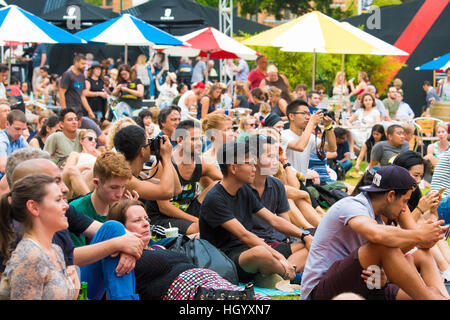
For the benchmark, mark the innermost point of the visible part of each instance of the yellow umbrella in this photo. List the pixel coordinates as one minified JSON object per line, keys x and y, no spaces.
{"x":314,"y":32}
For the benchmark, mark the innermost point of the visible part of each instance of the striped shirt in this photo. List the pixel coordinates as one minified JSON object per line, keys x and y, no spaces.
{"x":441,"y":176}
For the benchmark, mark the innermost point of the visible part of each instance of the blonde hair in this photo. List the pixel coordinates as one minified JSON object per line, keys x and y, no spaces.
{"x":338,"y":81}
{"x":243,"y":121}
{"x":116,"y":127}
{"x":155,"y":113}
{"x":264,"y":108}
{"x":141,"y":59}
{"x":214,"y":121}
{"x":274,"y":91}
{"x":272,"y":68}
{"x":240,"y":88}
{"x":442,"y":125}
{"x":84,"y":132}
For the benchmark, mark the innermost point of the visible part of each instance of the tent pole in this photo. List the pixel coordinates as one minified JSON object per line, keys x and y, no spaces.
{"x":207,"y":71}
{"x":9,"y":63}
{"x":314,"y":70}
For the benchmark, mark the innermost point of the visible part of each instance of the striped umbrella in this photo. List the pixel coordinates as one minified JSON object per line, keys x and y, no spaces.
{"x":441,"y":63}
{"x":127,"y":30}
{"x":17,"y":24}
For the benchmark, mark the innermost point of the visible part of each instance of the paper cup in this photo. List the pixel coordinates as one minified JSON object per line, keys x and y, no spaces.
{"x":171,"y":232}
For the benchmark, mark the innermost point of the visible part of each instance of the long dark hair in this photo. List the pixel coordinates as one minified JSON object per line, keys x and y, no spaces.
{"x":125,"y":67}
{"x":380,"y":129}
{"x":50,"y":122}
{"x":13,"y":206}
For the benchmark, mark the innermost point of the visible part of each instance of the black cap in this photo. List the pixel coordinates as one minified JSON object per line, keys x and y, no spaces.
{"x":271,"y":120}
{"x":390,"y":177}
{"x":95,"y":64}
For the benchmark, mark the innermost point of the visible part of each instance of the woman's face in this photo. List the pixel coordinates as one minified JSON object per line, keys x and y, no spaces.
{"x":216,"y":93}
{"x":24,"y":87}
{"x":250,"y":125}
{"x":279,"y":126}
{"x":377,"y":136}
{"x":52,"y":209}
{"x":417,"y":172}
{"x":273,"y":98}
{"x":442,"y":134}
{"x":368,"y":102}
{"x":97,"y":71}
{"x":89,"y":141}
{"x":138,"y":221}
{"x":228,"y":134}
{"x":125,"y":75}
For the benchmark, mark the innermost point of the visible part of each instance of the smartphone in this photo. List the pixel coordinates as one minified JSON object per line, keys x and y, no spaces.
{"x":447,"y":234}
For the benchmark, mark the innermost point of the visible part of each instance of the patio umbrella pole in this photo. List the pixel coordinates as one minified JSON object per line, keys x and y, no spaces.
{"x":207,"y":72}
{"x":314,"y":70}
{"x":126,"y":54}
{"x":9,"y":63}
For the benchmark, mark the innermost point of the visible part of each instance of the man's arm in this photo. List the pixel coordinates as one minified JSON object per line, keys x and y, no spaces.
{"x":43,"y":59}
{"x":302,"y":142}
{"x":86,"y":105}
{"x":394,"y":237}
{"x":62,"y":97}
{"x":210,"y":170}
{"x":278,"y":223}
{"x":166,"y":207}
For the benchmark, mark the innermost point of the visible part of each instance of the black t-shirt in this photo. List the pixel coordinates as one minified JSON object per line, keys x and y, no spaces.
{"x":414,"y":199}
{"x":274,"y":199}
{"x":133,"y":101}
{"x":74,"y":84}
{"x":219,"y":207}
{"x":97,"y":104}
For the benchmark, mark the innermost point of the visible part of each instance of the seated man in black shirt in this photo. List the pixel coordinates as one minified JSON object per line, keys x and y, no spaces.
{"x":226,"y":218}
{"x":272,"y":194}
{"x":183,"y":210}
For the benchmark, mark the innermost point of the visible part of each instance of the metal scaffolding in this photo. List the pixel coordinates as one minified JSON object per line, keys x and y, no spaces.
{"x":226,"y":27}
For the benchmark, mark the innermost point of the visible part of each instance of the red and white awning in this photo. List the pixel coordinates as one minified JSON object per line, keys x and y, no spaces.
{"x":212,"y":42}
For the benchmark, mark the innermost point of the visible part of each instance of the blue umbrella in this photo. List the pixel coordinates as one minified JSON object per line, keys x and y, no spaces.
{"x":441,"y":63}
{"x":127,"y":30}
{"x":17,"y":24}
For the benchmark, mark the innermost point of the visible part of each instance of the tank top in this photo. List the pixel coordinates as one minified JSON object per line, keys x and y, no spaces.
{"x":280,"y":84}
{"x":142,"y":74}
{"x":211,"y":107}
{"x":189,"y":190}
{"x":276,"y":109}
{"x":96,"y":103}
{"x":86,"y":158}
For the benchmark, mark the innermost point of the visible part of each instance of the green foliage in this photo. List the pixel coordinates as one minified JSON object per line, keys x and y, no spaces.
{"x":95,"y":2}
{"x":382,"y":3}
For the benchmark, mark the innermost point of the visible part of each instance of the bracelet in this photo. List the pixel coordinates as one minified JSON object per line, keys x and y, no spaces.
{"x":420,"y":210}
{"x":287,"y":164}
{"x":328,"y":128}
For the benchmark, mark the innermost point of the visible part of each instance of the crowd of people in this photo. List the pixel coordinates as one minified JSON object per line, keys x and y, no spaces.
{"x":252,"y":167}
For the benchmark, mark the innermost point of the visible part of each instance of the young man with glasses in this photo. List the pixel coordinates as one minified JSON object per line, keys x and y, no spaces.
{"x":226,"y":217}
{"x":299,"y":141}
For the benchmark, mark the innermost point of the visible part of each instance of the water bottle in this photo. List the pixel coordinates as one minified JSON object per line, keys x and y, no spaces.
{"x":83,"y":292}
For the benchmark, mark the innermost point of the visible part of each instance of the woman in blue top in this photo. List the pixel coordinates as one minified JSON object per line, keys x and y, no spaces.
{"x":209,"y":103}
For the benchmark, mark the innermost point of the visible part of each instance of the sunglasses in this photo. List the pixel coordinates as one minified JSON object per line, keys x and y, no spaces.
{"x":91,"y":139}
{"x":251,"y":124}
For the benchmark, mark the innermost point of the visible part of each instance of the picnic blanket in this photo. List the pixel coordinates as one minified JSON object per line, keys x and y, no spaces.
{"x":272,"y":292}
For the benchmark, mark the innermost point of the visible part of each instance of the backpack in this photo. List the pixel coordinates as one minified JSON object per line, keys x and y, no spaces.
{"x":203,"y":254}
{"x":338,"y":168}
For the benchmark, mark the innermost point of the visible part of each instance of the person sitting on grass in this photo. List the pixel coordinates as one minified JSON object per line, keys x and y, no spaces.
{"x":352,"y":241}
{"x":385,"y":151}
{"x":226,"y":218}
{"x":164,"y":274}
{"x":378,"y":134}
{"x":183,"y":210}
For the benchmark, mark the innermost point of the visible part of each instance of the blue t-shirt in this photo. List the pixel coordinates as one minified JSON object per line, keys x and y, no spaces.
{"x":37,"y":55}
{"x":342,"y":149}
{"x":7,"y":147}
{"x":334,"y":239}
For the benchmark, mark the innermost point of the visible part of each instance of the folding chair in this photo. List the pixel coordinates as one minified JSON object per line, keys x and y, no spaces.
{"x":425,"y":128}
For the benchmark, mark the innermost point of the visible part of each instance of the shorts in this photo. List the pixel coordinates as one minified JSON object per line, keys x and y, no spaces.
{"x":236,"y":252}
{"x":182,"y":225}
{"x":345,"y":276}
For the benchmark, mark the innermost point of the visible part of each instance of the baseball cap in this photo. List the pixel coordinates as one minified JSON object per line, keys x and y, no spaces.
{"x":199,"y":84}
{"x":271,"y":120}
{"x":95,"y":64}
{"x":390,"y":177}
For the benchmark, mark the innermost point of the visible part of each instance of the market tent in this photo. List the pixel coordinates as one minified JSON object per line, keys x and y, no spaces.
{"x":441,"y":63}
{"x":188,"y":16}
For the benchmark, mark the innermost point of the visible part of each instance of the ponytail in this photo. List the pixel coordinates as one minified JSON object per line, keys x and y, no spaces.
{"x":6,"y":230}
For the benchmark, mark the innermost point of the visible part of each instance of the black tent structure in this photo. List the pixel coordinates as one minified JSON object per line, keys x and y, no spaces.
{"x":419,"y":27}
{"x":180,"y":17}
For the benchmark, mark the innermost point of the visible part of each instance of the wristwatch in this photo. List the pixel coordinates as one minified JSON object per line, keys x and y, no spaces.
{"x":304,"y":234}
{"x":287,"y":164}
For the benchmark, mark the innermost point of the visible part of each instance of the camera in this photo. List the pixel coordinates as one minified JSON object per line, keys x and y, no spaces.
{"x":155,"y":146}
{"x":327,"y":113}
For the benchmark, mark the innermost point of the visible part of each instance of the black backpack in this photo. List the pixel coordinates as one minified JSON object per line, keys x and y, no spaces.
{"x":203,"y":254}
{"x":338,"y":168}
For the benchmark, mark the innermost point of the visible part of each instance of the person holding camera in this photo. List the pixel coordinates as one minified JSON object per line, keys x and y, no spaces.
{"x":137,"y":149}
{"x":299,"y":141}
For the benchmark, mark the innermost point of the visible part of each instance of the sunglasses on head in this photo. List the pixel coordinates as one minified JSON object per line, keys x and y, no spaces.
{"x":91,"y":139}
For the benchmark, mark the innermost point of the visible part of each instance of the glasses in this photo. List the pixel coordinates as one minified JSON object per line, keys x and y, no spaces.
{"x":251,"y":124}
{"x":302,"y":112}
{"x":321,"y":92}
{"x":91,"y":139}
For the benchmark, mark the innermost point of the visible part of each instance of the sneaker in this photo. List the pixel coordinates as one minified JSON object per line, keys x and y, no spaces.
{"x":446,"y":275}
{"x":353,"y":155}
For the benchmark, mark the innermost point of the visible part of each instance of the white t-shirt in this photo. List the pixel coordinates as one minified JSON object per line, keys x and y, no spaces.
{"x":182,"y":105}
{"x":299,"y":160}
{"x":367,"y":119}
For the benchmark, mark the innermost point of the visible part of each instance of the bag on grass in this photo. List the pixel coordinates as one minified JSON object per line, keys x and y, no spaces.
{"x":203,"y":254}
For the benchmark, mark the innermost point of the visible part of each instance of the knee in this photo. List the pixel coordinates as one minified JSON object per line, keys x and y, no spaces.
{"x":71,"y":171}
{"x":260,"y":253}
{"x":111,"y":229}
